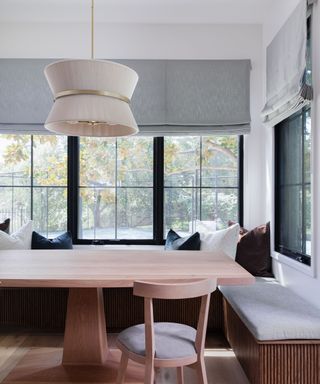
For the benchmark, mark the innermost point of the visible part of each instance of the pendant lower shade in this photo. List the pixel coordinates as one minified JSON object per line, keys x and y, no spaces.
{"x":91,"y":98}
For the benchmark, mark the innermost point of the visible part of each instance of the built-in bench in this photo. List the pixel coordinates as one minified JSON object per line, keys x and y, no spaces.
{"x":274,"y":333}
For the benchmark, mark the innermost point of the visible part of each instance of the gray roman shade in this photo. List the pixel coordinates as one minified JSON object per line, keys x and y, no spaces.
{"x":25,"y":97}
{"x":287,"y":87}
{"x":173,"y":97}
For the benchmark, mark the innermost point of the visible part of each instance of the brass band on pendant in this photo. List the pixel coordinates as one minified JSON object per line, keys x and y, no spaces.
{"x":71,"y":92}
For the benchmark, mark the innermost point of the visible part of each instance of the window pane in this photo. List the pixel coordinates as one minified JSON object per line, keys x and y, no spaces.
{"x":97,"y":213}
{"x":135,"y":213}
{"x":182,"y":161}
{"x":290,"y":155}
{"x":15,"y":204}
{"x":219,"y":161}
{"x":50,"y":211}
{"x":97,"y":162}
{"x":291,"y":230}
{"x":293,"y":195}
{"x":116,"y":212}
{"x":307,"y":219}
{"x":307,"y":148}
{"x":50,"y":160}
{"x":181,"y":209}
{"x":213,"y":196}
{"x":219,"y":206}
{"x":135,"y":162}
{"x":15,"y":160}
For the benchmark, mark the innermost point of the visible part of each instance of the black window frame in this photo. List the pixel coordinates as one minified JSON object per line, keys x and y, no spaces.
{"x":297,"y":256}
{"x":34,"y":186}
{"x":158,"y":194}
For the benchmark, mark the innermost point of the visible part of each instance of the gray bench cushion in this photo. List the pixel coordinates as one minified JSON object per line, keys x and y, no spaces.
{"x":273,"y":312}
{"x":172,"y":340}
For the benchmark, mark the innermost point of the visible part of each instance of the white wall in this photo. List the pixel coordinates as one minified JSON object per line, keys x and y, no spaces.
{"x":196,"y":41}
{"x":159,"y":41}
{"x":305,"y":281}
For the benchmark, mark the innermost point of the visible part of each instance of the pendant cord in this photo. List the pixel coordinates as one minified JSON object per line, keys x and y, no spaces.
{"x":92,"y":29}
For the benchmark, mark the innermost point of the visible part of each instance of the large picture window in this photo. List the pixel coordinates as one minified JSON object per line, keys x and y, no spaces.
{"x":293,"y":187}
{"x":129,"y":190}
{"x":33,"y":182}
{"x":116,"y":188}
{"x":201,"y":181}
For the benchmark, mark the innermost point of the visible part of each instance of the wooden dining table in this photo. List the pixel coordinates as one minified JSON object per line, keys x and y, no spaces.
{"x":85,"y":356}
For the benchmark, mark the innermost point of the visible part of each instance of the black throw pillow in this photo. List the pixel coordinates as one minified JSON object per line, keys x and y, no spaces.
{"x":5,"y":226}
{"x":63,"y":241}
{"x":175,"y":242}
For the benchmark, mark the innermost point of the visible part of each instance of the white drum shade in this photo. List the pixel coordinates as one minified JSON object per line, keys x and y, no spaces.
{"x":91,"y":98}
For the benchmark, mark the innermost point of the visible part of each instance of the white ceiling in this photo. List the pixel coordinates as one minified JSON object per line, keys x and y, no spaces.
{"x":136,"y":11}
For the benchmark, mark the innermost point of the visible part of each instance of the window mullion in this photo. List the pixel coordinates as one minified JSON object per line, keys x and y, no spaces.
{"x":240,"y":178}
{"x":31,"y":178}
{"x":116,"y":194}
{"x":158,"y":189}
{"x":73,"y":185}
{"x":303,"y":184}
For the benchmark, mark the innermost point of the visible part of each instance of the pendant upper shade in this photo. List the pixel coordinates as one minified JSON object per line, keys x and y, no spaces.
{"x":91,"y":98}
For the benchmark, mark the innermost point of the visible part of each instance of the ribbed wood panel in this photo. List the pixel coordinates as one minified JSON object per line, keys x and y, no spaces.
{"x":290,"y":363}
{"x":242,"y":342}
{"x":39,"y":308}
{"x":45,"y":309}
{"x":274,"y":362}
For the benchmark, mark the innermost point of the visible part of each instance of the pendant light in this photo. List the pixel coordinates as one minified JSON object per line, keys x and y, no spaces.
{"x":91,"y":97}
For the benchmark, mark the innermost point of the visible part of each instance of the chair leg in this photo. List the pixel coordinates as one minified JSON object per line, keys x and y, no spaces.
{"x":201,"y":371}
{"x":180,"y":378}
{"x":122,"y":368}
{"x":149,"y":373}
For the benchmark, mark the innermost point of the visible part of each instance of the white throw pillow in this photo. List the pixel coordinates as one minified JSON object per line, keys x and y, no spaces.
{"x":18,"y":240}
{"x":225,"y":240}
{"x":206,"y":226}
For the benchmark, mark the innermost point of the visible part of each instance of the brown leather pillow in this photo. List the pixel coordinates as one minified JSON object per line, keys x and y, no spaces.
{"x":242,"y":230}
{"x":253,"y":251}
{"x":5,"y":226}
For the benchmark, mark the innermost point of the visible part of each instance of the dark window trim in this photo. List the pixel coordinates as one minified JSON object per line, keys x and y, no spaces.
{"x":73,"y":182}
{"x":240,"y":180}
{"x":158,"y":194}
{"x":297,"y":256}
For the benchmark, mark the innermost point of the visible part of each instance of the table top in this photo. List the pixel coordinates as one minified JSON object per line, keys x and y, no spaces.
{"x":114,"y":268}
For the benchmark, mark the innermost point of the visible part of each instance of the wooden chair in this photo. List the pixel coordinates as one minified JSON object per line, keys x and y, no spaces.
{"x":167,"y":344}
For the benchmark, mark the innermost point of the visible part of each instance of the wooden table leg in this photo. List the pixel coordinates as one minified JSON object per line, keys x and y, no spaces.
{"x":85,"y":338}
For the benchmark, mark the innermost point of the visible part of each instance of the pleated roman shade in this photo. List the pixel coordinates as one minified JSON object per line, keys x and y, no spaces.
{"x":173,"y":97}
{"x":25,"y":97}
{"x":286,"y":84}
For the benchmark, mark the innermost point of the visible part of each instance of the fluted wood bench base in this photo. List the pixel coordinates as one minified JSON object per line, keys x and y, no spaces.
{"x":45,"y":309}
{"x":272,"y":362}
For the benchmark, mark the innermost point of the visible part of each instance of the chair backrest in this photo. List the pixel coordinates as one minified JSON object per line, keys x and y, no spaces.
{"x":179,"y":290}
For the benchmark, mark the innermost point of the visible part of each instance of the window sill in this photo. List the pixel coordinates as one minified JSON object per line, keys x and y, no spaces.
{"x":119,"y":247}
{"x":282,"y":259}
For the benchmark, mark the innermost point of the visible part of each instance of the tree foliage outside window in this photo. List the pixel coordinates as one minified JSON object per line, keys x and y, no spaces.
{"x":116,"y":188}
{"x":33,"y":182}
{"x":116,"y":184}
{"x":201,"y":181}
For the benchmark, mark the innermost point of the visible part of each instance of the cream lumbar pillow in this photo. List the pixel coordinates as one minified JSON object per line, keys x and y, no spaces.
{"x":225,"y":240}
{"x":20,"y":239}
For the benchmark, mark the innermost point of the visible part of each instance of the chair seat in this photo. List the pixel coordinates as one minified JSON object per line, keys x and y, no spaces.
{"x":172,"y":340}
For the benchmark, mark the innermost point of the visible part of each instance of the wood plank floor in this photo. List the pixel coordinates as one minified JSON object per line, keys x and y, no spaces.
{"x":222,"y":366}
